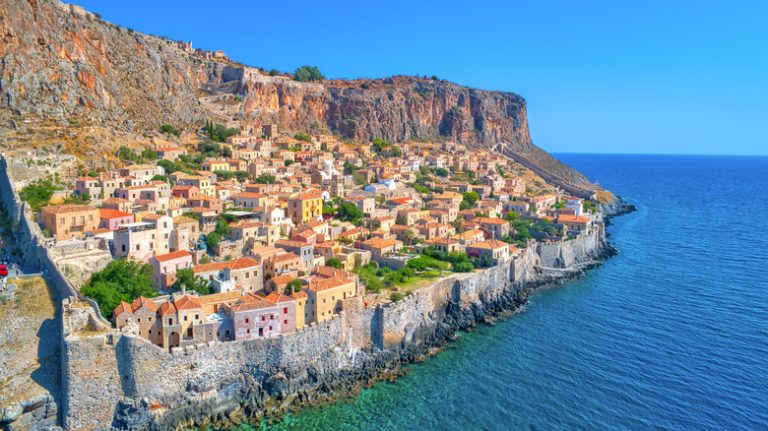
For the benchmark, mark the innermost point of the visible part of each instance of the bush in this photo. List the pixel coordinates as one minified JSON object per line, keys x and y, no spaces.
{"x":334,"y":263}
{"x":396,"y":296}
{"x":293,"y":286}
{"x":169,"y":130}
{"x":38,"y":193}
{"x":121,"y":280}
{"x":265,"y":179}
{"x":308,"y":73}
{"x":219,"y":132}
{"x":350,"y":212}
{"x":302,"y":137}
{"x":441,"y":172}
{"x":273,"y":72}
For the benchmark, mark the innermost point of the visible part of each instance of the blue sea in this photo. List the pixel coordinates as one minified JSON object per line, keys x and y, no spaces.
{"x":671,"y":334}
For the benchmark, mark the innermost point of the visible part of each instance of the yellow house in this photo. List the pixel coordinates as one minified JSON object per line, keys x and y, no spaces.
{"x":301,"y":301}
{"x":305,"y":207}
{"x":325,"y":292}
{"x":215,"y":165}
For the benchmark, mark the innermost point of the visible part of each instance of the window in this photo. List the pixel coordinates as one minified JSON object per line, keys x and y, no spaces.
{"x":248,"y":331}
{"x":285,"y":310}
{"x":189,"y":331}
{"x":138,"y":320}
{"x":197,"y":316}
{"x":185,"y":318}
{"x":271,"y":317}
{"x":170,"y":321}
{"x":270,"y":328}
{"x":247,"y":320}
{"x":149,"y":318}
{"x":123,"y":247}
{"x":263,"y":318}
{"x":285,"y":322}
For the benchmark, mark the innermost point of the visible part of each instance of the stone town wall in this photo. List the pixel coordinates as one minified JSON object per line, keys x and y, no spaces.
{"x":139,"y":385}
{"x":566,"y":254}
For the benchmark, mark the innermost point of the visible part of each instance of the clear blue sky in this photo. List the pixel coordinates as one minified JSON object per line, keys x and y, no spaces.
{"x":602,"y":76}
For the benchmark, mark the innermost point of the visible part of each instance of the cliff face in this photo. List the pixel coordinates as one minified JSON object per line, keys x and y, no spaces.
{"x":62,"y":63}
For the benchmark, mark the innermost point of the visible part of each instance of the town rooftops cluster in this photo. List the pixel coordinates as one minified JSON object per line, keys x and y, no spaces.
{"x":259,"y":223}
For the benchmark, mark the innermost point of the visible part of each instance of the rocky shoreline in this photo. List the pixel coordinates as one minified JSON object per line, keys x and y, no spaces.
{"x":253,"y":398}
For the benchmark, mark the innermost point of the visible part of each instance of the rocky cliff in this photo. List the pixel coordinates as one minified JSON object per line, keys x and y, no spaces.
{"x":63,"y":64}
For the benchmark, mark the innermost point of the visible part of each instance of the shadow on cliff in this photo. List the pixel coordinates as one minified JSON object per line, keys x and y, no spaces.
{"x":48,"y":372}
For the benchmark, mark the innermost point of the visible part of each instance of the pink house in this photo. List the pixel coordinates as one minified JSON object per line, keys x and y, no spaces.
{"x":112,"y":219}
{"x":166,"y":265}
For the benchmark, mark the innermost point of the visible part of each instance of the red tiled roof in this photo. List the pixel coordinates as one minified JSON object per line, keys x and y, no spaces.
{"x":171,"y":256}
{"x":105,"y":213}
{"x":143,"y":302}
{"x":188,"y":302}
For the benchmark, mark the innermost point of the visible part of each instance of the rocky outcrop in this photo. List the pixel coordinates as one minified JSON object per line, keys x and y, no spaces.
{"x":60,"y":62}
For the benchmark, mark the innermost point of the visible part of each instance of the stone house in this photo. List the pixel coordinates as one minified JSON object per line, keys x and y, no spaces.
{"x":164,"y":267}
{"x":70,"y":220}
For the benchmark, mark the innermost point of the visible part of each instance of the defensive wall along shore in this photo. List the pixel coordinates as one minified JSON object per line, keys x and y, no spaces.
{"x":122,"y":380}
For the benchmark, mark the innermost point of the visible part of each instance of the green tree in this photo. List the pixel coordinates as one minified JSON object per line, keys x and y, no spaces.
{"x":442,"y":172}
{"x":265,"y":179}
{"x":350,"y":212}
{"x":308,"y":73}
{"x":191,"y":282}
{"x":120,"y":280}
{"x":470,"y":198}
{"x":334,"y":263}
{"x":293,"y":286}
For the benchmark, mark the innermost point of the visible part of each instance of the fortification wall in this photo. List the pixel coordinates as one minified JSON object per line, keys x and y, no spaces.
{"x":566,"y":254}
{"x":142,"y":386}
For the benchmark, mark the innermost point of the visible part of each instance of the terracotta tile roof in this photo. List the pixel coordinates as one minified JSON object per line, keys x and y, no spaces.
{"x":143,"y":302}
{"x":285,"y":257}
{"x":171,"y":256}
{"x":573,"y":219}
{"x":67,"y":208}
{"x":188,"y":302}
{"x":299,"y":295}
{"x":167,"y":308}
{"x":490,"y":220}
{"x":242,"y":263}
{"x":442,"y":241}
{"x":253,"y":303}
{"x":105,"y":213}
{"x":491,"y":244}
{"x":230,"y":296}
{"x":277,"y":298}
{"x":122,"y":308}
{"x":318,"y":284}
{"x":249,"y":195}
{"x":281,"y":280}
{"x":377,"y":242}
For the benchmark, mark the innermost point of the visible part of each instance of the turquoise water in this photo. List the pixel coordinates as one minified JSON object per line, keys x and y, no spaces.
{"x":670,"y":334}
